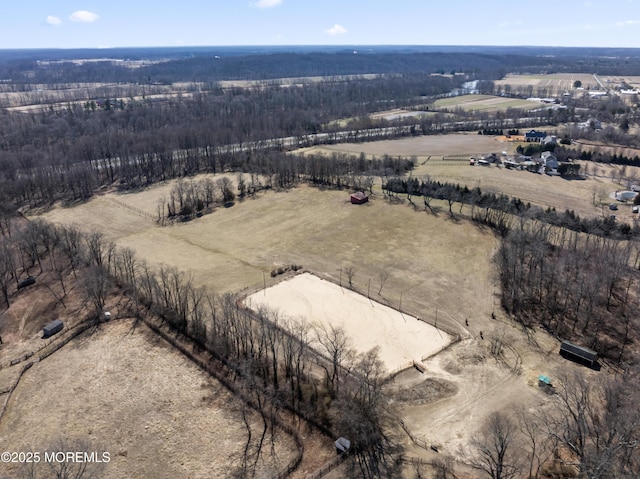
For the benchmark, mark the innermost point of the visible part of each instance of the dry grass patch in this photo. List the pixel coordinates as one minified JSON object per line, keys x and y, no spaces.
{"x":132,"y":395}
{"x":541,"y":190}
{"x":431,"y":261}
{"x":556,"y":84}
{"x":486,"y":103}
{"x":426,"y":147}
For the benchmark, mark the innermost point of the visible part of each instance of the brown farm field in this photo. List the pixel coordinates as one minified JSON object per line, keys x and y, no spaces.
{"x":542,"y":190}
{"x":439,"y":269}
{"x":137,"y":398}
{"x":555,"y":84}
{"x":486,"y":103}
{"x":236,"y":248}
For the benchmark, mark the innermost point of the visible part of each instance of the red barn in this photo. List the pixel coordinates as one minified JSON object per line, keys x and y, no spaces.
{"x":359,"y":198}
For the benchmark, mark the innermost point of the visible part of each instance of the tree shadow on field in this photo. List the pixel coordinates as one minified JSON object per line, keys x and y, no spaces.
{"x":433,"y":210}
{"x":453,"y":218}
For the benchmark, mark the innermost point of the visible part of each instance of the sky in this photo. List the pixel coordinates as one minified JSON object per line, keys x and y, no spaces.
{"x":144,"y":23}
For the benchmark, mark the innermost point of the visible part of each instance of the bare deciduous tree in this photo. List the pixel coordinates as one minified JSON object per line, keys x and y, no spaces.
{"x":337,"y":346}
{"x":364,"y":416}
{"x":495,"y":448}
{"x":96,"y":284}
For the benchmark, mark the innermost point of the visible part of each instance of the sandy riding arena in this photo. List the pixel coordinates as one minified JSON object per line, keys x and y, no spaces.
{"x":402,"y":338}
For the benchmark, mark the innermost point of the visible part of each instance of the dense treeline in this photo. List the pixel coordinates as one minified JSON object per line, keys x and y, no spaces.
{"x":578,"y":285}
{"x":500,"y":211}
{"x":214,"y":64}
{"x":597,"y":156}
{"x":68,"y":154}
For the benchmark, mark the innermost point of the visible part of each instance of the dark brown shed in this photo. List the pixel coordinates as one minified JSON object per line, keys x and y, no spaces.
{"x":359,"y":197}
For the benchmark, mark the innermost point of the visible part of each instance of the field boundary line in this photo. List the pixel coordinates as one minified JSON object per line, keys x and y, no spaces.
{"x":329,"y":466}
{"x":12,"y":388}
{"x":219,"y":374}
{"x":134,"y":209}
{"x":456,"y":336}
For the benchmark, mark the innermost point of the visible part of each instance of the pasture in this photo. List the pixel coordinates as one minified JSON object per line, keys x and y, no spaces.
{"x":428,"y":259}
{"x":484,"y":103}
{"x":439,"y":269}
{"x":553,"y":84}
{"x":127,"y":392}
{"x":402,"y":338}
{"x":542,"y":190}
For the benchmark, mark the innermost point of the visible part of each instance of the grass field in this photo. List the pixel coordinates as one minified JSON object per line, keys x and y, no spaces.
{"x":137,"y":398}
{"x":437,"y":266}
{"x":542,"y":190}
{"x":439,"y":269}
{"x":428,"y":259}
{"x":555,"y":84}
{"x":486,"y":103}
{"x":402,"y":338}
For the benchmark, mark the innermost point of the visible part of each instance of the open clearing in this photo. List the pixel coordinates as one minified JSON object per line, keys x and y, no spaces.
{"x":487,"y":103}
{"x":402,"y":338}
{"x":430,"y":260}
{"x":541,"y":190}
{"x":136,"y":397}
{"x":614,"y":81}
{"x":426,"y":146}
{"x":437,"y":266}
{"x":555,"y":84}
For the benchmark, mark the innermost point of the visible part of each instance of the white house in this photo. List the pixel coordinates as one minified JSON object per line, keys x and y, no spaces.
{"x":549,"y":161}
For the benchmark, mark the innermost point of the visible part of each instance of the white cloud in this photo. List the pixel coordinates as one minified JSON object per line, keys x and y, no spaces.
{"x":337,"y":29}
{"x":51,"y":20}
{"x":267,"y":3}
{"x":627,"y":23}
{"x":83,"y":16}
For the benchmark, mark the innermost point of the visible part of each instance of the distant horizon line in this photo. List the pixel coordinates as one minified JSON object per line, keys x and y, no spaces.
{"x":331,"y":46}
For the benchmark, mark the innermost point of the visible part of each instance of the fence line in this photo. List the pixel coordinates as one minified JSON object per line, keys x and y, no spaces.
{"x":418,"y":442}
{"x":326,"y":468}
{"x":14,"y":386}
{"x":135,"y":209}
{"x":220,"y":371}
{"x":256,"y":287}
{"x":56,"y":338}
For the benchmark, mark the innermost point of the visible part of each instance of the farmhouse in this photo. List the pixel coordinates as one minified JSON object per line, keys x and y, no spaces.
{"x":52,"y":328}
{"x":359,"y":198}
{"x":592,"y":123}
{"x":578,"y":353}
{"x":533,"y":135}
{"x":549,"y":161}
